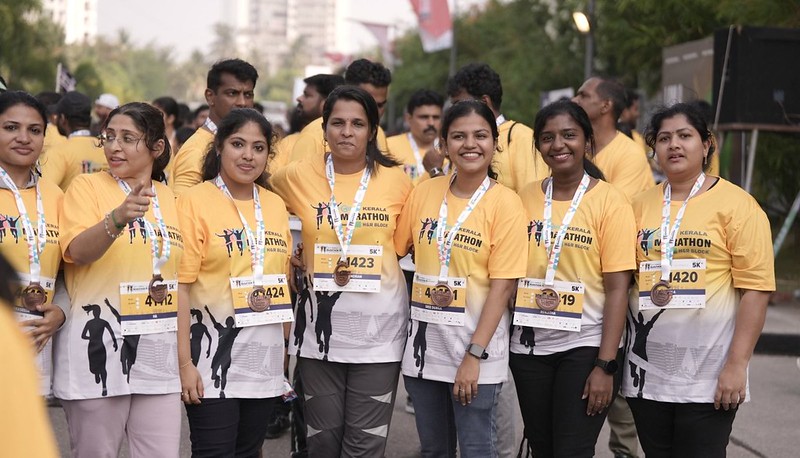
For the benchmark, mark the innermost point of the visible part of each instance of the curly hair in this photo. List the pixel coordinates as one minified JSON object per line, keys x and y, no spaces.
{"x":363,"y":71}
{"x":477,"y":79}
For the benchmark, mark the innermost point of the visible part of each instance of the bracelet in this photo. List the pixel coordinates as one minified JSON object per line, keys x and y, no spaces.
{"x":114,"y":220}
{"x":185,"y":364}
{"x":108,"y":230}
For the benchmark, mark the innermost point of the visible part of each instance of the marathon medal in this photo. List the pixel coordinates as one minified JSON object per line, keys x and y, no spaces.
{"x":442,"y":294}
{"x":547,"y":300}
{"x":157,"y":289}
{"x":33,"y":296}
{"x":341,"y":275}
{"x":661,"y":293}
{"x":258,"y":300}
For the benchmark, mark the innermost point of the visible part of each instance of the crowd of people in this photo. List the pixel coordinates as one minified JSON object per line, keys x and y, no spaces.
{"x":580,"y":269}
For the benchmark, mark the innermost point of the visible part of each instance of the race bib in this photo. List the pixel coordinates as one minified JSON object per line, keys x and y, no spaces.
{"x":363,"y":264}
{"x":141,"y":314}
{"x":558,"y":307}
{"x":280,"y":302}
{"x":687,"y":284}
{"x":423,"y":307}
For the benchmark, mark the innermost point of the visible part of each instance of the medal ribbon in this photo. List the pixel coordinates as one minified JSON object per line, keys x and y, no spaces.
{"x":554,"y":254}
{"x":36,"y":241}
{"x":257,"y":241}
{"x":668,"y":235}
{"x":160,"y":253}
{"x":417,"y":156}
{"x":345,"y":233}
{"x":445,"y":245}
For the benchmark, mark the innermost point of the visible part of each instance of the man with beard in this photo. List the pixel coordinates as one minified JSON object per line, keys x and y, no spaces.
{"x":309,"y":108}
{"x":424,"y":118}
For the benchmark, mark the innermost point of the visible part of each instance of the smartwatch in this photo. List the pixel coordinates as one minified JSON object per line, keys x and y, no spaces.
{"x":477,"y":351}
{"x":610,"y":367}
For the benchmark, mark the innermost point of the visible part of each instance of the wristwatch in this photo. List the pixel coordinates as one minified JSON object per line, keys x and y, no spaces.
{"x":435,"y":172}
{"x":477,"y":351}
{"x":610,"y":367}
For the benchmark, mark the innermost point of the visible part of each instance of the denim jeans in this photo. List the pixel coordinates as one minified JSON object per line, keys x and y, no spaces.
{"x":441,"y":419}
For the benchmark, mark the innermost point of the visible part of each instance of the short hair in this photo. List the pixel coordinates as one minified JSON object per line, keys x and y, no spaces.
{"x":423,"y":97}
{"x":578,"y":114}
{"x":229,"y":125}
{"x":631,"y":96}
{"x":76,"y":108}
{"x":477,"y":79}
{"x":50,"y":100}
{"x":324,"y":83}
{"x":693,"y":116}
{"x":198,"y":110}
{"x":169,"y":106}
{"x":465,"y":108}
{"x":13,"y":98}
{"x":611,"y":89}
{"x":362,"y":97}
{"x":363,"y":71}
{"x":240,"y":70}
{"x":149,"y":120}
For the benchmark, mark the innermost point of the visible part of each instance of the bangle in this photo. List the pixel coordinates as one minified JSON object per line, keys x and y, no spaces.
{"x":114,"y":220}
{"x":185,"y":364}
{"x":108,"y":230}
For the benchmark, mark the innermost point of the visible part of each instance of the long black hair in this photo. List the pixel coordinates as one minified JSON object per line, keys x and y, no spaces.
{"x":362,"y":97}
{"x":574,"y":111}
{"x":8,"y":281}
{"x":465,"y":108}
{"x":149,"y":120}
{"x":695,"y":119}
{"x":229,"y":125}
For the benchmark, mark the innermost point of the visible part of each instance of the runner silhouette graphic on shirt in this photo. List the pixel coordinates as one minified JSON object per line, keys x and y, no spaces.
{"x":127,"y":356}
{"x":644,"y":240}
{"x":221,"y":361}
{"x":96,"y":349}
{"x":425,"y":223}
{"x":527,"y":338}
{"x":237,"y":233}
{"x":7,"y":222}
{"x":420,"y":346}
{"x":135,"y":225}
{"x":303,"y":298}
{"x":432,"y":229}
{"x":323,"y":329}
{"x":640,"y":348}
{"x":228,"y":237}
{"x":322,"y":212}
{"x":196,"y":333}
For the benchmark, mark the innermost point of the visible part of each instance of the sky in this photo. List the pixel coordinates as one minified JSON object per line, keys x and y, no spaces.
{"x":185,"y":25}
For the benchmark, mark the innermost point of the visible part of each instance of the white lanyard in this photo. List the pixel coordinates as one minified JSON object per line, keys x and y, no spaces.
{"x":445,"y":245}
{"x":417,"y":155}
{"x":257,"y":241}
{"x":160,"y":254}
{"x":345,"y":234}
{"x":554,"y":254}
{"x":36,"y":240}
{"x":668,"y":236}
{"x":500,"y":119}
{"x":210,"y":125}
{"x":80,"y":133}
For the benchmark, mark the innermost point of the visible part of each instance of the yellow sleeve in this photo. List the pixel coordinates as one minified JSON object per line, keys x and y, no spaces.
{"x":54,"y":167}
{"x":405,"y":222}
{"x":617,"y":234}
{"x":283,"y":151}
{"x":750,"y":244}
{"x":281,"y":186}
{"x":187,"y":171}
{"x":24,"y":425}
{"x":193,"y":238}
{"x":308,"y":145}
{"x":80,"y":212}
{"x":382,"y":143}
{"x":509,"y":240}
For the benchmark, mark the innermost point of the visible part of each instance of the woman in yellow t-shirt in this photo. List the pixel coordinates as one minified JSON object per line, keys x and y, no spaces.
{"x":352,"y":307}
{"x":233,"y":286}
{"x":30,"y":209}
{"x":116,"y":357}
{"x":706,"y":271}
{"x":467,"y":232}
{"x":570,"y":310}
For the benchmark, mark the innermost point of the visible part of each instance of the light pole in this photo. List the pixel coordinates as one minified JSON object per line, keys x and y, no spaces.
{"x":584,"y":24}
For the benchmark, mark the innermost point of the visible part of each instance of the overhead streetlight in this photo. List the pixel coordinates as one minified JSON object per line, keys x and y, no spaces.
{"x":581,"y":22}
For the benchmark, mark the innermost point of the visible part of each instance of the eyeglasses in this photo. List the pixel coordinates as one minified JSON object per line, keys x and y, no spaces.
{"x":124,"y":140}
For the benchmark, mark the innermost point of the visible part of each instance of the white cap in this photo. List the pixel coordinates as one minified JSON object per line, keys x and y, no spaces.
{"x":107,"y":100}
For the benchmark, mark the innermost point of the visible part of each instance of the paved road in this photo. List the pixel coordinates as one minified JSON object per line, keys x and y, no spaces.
{"x":766,"y":427}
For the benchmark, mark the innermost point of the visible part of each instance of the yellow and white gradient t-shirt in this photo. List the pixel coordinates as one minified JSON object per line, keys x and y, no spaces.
{"x":15,"y":249}
{"x":77,"y":155}
{"x":215,"y":250}
{"x":488,"y":246}
{"x":600,"y":239}
{"x":676,"y":355}
{"x":348,"y":327}
{"x":85,"y":357}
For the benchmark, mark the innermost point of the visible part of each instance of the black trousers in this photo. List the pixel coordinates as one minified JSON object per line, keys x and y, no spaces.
{"x":549,"y":389}
{"x":669,"y":429}
{"x":228,"y":427}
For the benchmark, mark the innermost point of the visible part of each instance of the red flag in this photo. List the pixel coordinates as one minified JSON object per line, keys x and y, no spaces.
{"x":435,"y":24}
